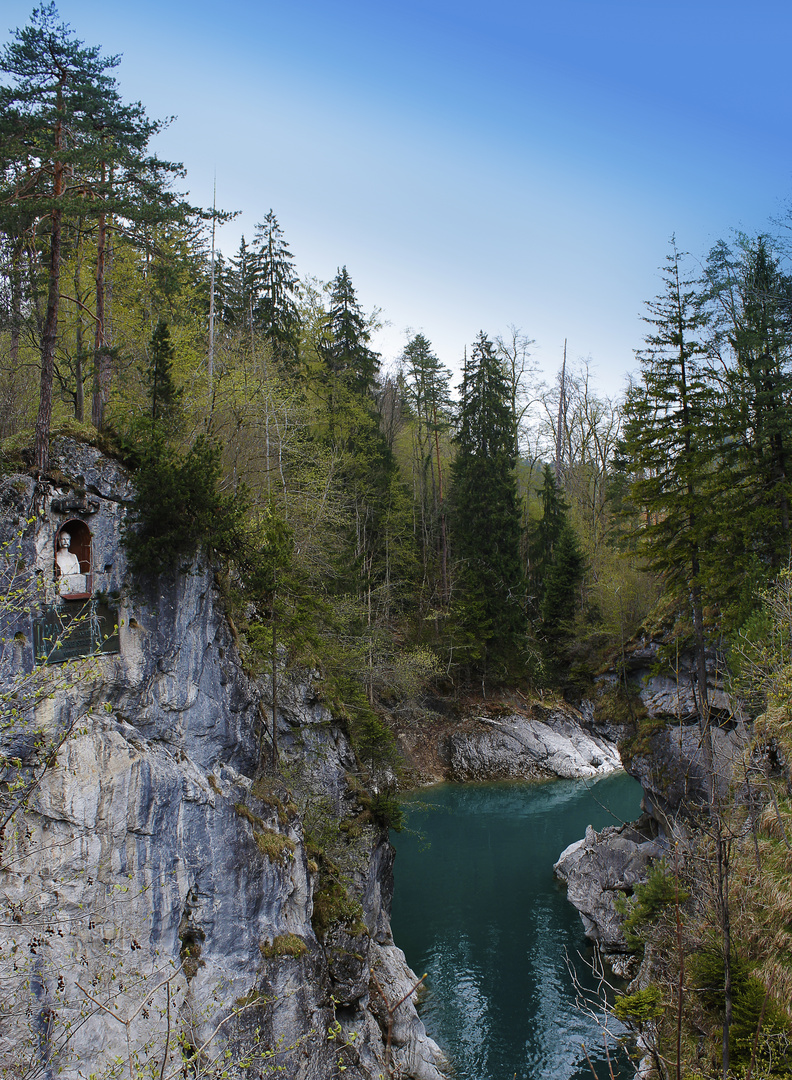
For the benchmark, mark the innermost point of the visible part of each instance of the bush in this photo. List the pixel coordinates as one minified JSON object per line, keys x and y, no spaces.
{"x":751,"y":1003}
{"x":647,"y":904}
{"x":640,"y":1007}
{"x":178,"y":506}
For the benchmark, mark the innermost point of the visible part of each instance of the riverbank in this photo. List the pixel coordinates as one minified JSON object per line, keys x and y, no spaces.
{"x":506,"y":738}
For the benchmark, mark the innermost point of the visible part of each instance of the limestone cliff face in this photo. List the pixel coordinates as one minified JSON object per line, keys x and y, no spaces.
{"x":157,"y":894}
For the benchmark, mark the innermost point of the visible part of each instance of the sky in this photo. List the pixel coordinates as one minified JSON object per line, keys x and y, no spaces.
{"x":474,"y":165}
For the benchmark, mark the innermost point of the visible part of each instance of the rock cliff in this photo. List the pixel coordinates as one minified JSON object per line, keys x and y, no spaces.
{"x":663,"y":752}
{"x":160,"y":894}
{"x":551,"y":742}
{"x":506,"y":740}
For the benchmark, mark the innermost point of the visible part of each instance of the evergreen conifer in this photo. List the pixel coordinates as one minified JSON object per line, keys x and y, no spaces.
{"x":486,"y":519}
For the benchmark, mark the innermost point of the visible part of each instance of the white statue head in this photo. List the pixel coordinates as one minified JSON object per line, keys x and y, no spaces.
{"x":64,"y":540}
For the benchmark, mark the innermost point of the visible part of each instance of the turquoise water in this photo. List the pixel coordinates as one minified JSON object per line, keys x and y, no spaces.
{"x":477,"y":907}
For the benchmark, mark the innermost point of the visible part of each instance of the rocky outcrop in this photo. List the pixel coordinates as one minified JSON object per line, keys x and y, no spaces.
{"x":601,"y":867}
{"x":159,"y":894}
{"x":547,"y":743}
{"x":672,"y":771}
{"x":663,"y":750}
{"x":666,"y":684}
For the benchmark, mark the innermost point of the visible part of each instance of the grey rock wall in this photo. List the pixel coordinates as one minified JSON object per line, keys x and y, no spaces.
{"x":598,"y":869}
{"x":157,"y":894}
{"x":671,"y":770}
{"x":545,"y":744}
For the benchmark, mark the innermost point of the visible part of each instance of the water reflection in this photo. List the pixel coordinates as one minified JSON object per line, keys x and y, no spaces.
{"x":480,"y":911}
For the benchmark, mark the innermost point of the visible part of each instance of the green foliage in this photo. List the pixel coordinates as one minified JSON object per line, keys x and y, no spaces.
{"x":749,"y":295}
{"x":374,"y":742}
{"x":760,"y":657}
{"x":276,"y":310}
{"x":665,"y":441}
{"x":386,"y":810}
{"x":165,"y":397}
{"x":486,"y":521}
{"x":640,"y":1007}
{"x":751,"y":1003}
{"x":334,"y":905}
{"x":345,"y":348}
{"x":647,"y":903}
{"x":291,"y":945}
{"x":706,"y":973}
{"x":274,"y":845}
{"x":617,"y":704}
{"x":177,"y":507}
{"x":555,"y":560}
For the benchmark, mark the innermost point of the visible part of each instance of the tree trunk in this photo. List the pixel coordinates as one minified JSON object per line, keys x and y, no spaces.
{"x":561,"y":422}
{"x":79,"y":395}
{"x":101,"y":372}
{"x":443,"y":535}
{"x":50,"y":334}
{"x":723,"y":890}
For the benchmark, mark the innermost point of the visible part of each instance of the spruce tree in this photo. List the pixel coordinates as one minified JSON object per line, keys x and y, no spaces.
{"x":667,"y":441}
{"x":277,"y":314}
{"x":486,"y":519}
{"x":48,"y":142}
{"x":164,"y":395}
{"x":555,"y":561}
{"x":70,"y":146}
{"x":243,"y":287}
{"x":427,"y":393}
{"x":346,"y":353}
{"x":751,"y":299}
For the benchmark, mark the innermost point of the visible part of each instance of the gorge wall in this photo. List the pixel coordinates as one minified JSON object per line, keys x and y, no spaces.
{"x":663,"y":751}
{"x":160,"y":894}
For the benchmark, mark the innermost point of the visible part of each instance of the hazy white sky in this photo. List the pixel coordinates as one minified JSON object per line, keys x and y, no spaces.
{"x":473,"y":165}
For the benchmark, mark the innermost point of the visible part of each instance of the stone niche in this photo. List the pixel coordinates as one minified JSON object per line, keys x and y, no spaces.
{"x":74,"y":545}
{"x":77,"y":621}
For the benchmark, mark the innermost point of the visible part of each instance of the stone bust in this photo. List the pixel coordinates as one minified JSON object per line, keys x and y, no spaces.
{"x":67,"y":561}
{"x":70,"y":577}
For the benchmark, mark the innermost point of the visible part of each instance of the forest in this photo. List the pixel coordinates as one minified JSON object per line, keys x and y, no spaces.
{"x":399,"y":534}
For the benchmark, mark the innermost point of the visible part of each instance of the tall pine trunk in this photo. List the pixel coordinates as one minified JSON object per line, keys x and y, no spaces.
{"x":101,"y":368}
{"x":50,"y":334}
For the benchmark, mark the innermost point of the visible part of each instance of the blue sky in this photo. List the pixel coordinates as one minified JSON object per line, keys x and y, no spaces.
{"x":473,"y":165}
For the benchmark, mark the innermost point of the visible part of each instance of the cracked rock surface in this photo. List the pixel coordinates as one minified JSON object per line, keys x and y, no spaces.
{"x":155,"y":888}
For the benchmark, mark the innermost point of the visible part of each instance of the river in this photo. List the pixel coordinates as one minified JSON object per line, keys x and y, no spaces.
{"x":477,"y":906}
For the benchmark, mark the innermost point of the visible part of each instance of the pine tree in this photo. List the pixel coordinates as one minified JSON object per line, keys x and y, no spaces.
{"x":346,"y":353}
{"x":70,"y":147}
{"x":48,"y":142}
{"x":751,"y":299}
{"x":243,"y":288}
{"x":276,"y":311}
{"x":667,"y":440}
{"x":555,"y":560}
{"x":427,"y":393}
{"x":486,"y":518}
{"x":164,"y":395}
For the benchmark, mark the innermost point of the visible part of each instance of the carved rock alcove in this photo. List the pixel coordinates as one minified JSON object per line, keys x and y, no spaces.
{"x":74,"y":560}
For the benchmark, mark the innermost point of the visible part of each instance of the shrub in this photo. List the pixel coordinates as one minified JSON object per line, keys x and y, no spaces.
{"x":647,"y":903}
{"x":283,"y":945}
{"x":178,"y":506}
{"x":640,"y":1007}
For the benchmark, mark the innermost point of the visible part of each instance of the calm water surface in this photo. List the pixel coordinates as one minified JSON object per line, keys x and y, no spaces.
{"x":478,"y":908}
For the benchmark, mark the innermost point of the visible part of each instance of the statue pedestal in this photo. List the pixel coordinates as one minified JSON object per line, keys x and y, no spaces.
{"x":69,"y":584}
